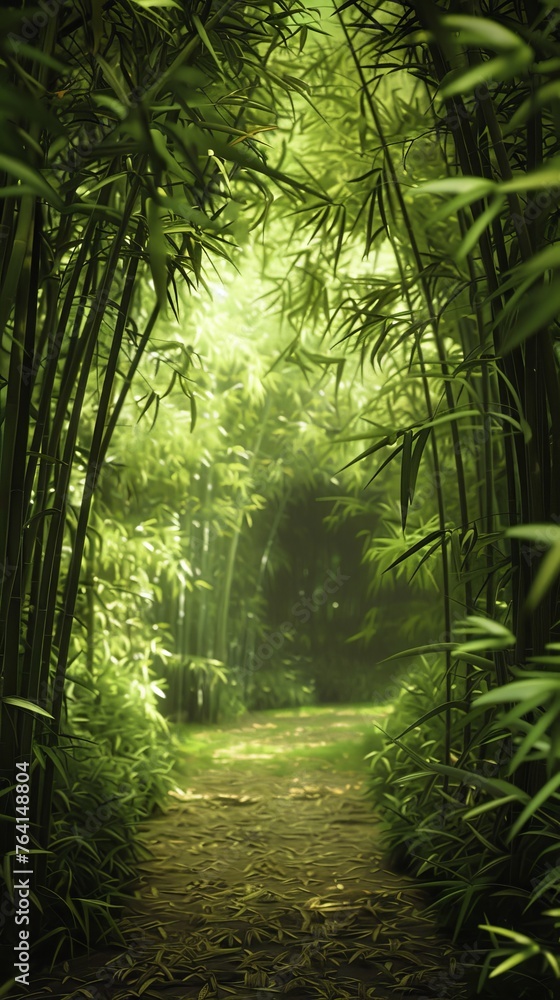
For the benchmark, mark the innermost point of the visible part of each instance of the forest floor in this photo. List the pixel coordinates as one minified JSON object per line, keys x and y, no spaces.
{"x":266,"y":878}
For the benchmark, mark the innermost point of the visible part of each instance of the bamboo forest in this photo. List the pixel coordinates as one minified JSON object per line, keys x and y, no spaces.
{"x":280,"y":499}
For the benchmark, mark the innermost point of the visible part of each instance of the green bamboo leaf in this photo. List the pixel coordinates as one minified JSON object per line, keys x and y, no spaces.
{"x":431,"y":714}
{"x":416,"y":548}
{"x":53,"y":755}
{"x":148,"y":4}
{"x":192,"y":401}
{"x":186,"y":211}
{"x":521,"y":691}
{"x":488,"y":807}
{"x":32,"y":178}
{"x":552,"y":961}
{"x":539,"y":98}
{"x":483,"y":32}
{"x":469,"y":188}
{"x":513,"y":960}
{"x":157,"y":252}
{"x":546,"y":575}
{"x":449,"y":418}
{"x":533,"y":180}
{"x":470,"y":657}
{"x":536,"y":731}
{"x":499,"y":69}
{"x":26,"y":706}
{"x":543,"y":534}
{"x":92,"y":208}
{"x":115,"y":78}
{"x":546,"y":260}
{"x":35,"y":54}
{"x":204,"y":38}
{"x":461,"y":774}
{"x":434,"y":647}
{"x":405,"y":476}
{"x":427,"y":555}
{"x":534,"y":805}
{"x":480,"y":645}
{"x":478,"y":227}
{"x":489,"y":626}
{"x":421,"y":442}
{"x":460,"y":201}
{"x":540,"y":311}
{"x":506,"y":932}
{"x":369,"y":451}
{"x":385,"y":463}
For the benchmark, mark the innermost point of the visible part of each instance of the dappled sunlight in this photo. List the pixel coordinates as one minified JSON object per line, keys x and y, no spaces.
{"x":242,"y":751}
{"x":286,"y":889}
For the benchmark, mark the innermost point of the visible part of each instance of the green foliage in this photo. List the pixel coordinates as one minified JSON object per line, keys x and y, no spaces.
{"x":131,"y":162}
{"x":95,"y":845}
{"x":409,"y":198}
{"x":282,"y":686}
{"x":457,"y":184}
{"x":460,"y":836}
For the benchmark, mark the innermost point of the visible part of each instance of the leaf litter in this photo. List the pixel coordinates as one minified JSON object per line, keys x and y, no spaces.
{"x":262,"y":884}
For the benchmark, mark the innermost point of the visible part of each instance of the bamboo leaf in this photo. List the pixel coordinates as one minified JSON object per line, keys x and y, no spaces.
{"x":488,"y":807}
{"x":540,"y":311}
{"x":501,"y":68}
{"x":157,"y":249}
{"x":489,"y":626}
{"x":434,"y":647}
{"x":432,"y":713}
{"x":513,"y":960}
{"x":459,"y":201}
{"x":478,"y":228}
{"x":25,"y":705}
{"x":536,"y":731}
{"x":369,"y":451}
{"x":205,"y":39}
{"x":483,"y":32}
{"x":421,"y":442}
{"x":543,"y":534}
{"x":534,"y":805}
{"x":32,"y":178}
{"x":192,"y":401}
{"x":114,"y":77}
{"x":405,"y":476}
{"x":416,"y":548}
{"x":547,"y":94}
{"x":546,"y":575}
{"x":473,"y":188}
{"x":521,"y":691}
{"x":507,"y":932}
{"x":97,"y":23}
{"x":546,"y":177}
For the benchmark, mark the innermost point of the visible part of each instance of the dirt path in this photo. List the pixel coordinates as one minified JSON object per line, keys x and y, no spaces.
{"x":266,"y":879}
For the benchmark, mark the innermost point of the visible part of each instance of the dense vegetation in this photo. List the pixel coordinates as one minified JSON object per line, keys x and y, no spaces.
{"x":281,"y":424}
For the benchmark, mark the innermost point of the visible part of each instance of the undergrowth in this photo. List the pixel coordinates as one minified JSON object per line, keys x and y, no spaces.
{"x":455,"y":835}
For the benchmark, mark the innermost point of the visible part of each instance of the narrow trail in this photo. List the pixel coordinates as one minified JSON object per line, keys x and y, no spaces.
{"x":266,"y":879}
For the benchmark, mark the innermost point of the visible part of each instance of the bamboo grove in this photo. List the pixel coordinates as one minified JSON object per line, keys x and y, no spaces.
{"x":115,"y":171}
{"x":399,"y":192}
{"x":477,"y":310}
